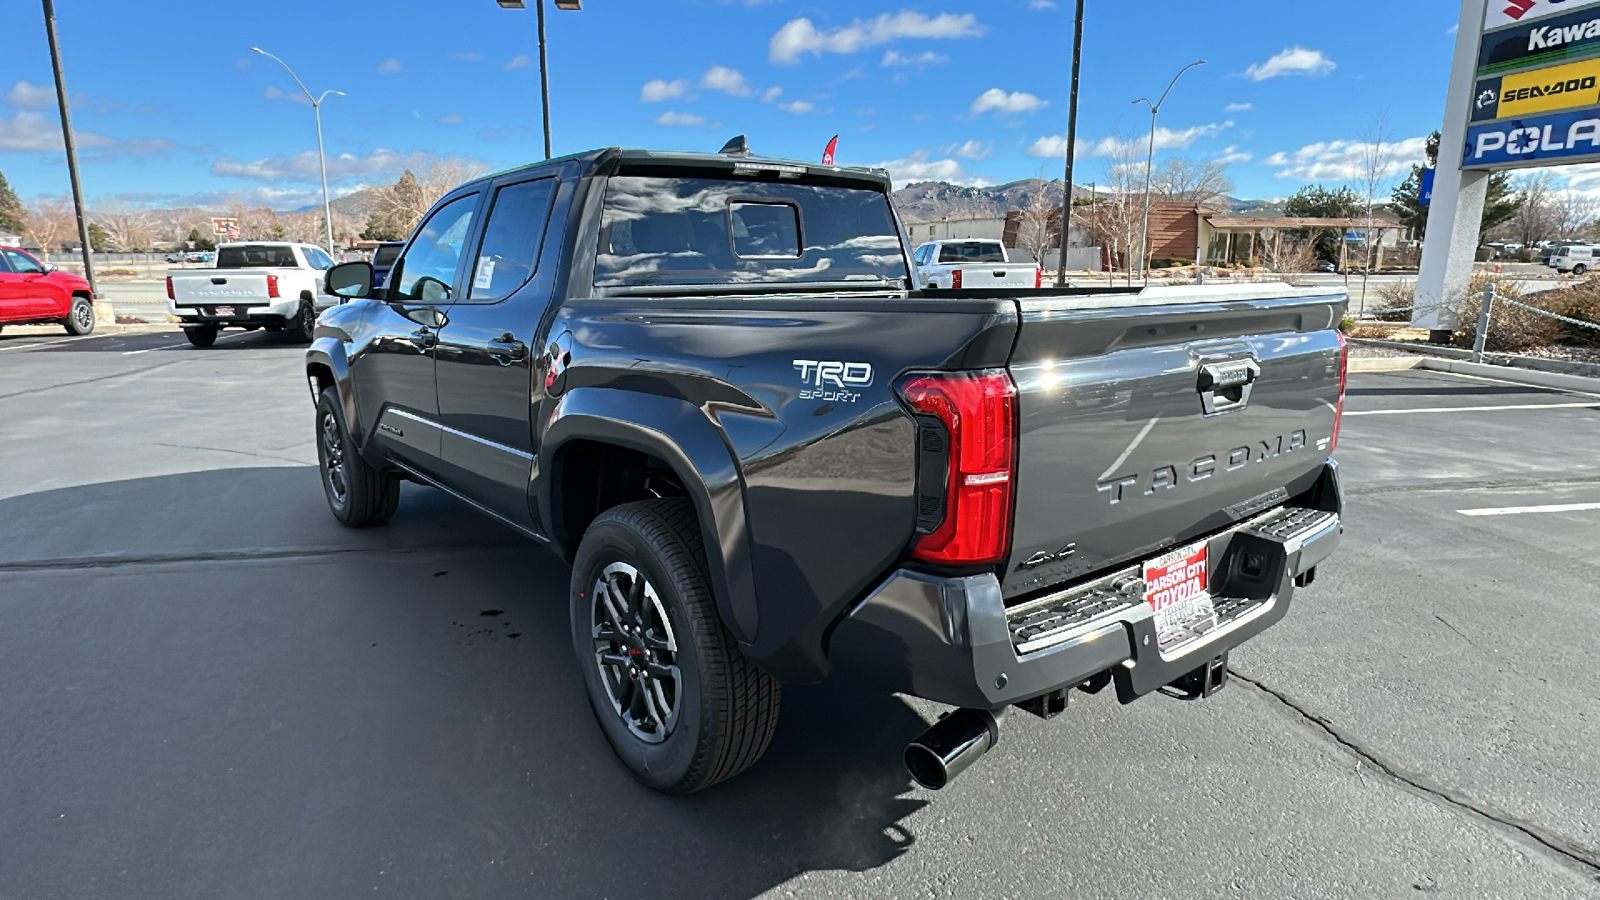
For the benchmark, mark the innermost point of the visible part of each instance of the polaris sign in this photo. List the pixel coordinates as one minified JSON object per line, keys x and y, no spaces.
{"x":1534,"y":141}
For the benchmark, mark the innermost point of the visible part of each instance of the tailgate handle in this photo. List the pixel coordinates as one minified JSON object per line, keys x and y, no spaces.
{"x":1225,"y":386}
{"x":219,"y":281}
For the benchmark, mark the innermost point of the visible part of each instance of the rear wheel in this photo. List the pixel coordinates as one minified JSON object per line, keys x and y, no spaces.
{"x":1580,"y":269}
{"x":80,"y":319}
{"x":201,"y":335}
{"x":358,"y":494}
{"x":680,"y":705}
{"x":303,"y":323}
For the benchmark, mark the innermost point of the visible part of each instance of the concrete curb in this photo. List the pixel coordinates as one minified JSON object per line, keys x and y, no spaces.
{"x":1559,"y":366}
{"x":1552,"y":380}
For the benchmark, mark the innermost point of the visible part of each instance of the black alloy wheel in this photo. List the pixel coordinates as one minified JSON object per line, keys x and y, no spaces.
{"x":636,"y":652}
{"x":304,"y":323}
{"x":358,"y":493}
{"x":331,"y":447}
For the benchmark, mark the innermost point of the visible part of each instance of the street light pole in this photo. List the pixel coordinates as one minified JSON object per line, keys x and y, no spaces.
{"x":544,"y":67}
{"x":1072,"y":137}
{"x":1155,"y":108}
{"x":71,"y":147}
{"x":322,"y":158}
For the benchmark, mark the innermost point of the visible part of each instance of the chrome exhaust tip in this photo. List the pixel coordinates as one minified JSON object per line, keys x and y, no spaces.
{"x":952,"y":744}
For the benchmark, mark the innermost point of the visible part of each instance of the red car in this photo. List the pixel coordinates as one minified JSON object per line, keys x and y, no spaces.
{"x":32,"y":293}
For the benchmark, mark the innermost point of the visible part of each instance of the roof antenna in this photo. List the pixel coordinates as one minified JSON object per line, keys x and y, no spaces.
{"x":736,"y":147}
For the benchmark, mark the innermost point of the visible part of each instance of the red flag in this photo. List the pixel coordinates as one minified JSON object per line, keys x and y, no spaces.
{"x":827,"y":155}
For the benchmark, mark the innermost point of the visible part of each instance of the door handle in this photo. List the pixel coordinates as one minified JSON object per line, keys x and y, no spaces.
{"x":506,"y":350}
{"x":422,"y":339}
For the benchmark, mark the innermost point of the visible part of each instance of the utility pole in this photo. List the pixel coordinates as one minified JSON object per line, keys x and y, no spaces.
{"x":71,"y":147}
{"x":1072,"y":138}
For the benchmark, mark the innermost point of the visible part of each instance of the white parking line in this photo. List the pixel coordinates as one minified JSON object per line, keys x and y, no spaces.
{"x":184,"y":344}
{"x":1592,"y":404}
{"x":1514,"y":510}
{"x":21,"y":347}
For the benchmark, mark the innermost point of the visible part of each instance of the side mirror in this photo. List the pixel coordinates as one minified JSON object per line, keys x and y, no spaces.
{"x":52,"y":267}
{"x":351,"y":280}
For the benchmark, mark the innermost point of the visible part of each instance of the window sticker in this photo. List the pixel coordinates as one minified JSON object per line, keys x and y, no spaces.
{"x":485,"y":276}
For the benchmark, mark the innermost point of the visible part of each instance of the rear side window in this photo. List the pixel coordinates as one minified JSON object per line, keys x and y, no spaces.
{"x":317,"y":259}
{"x":664,"y":230}
{"x":255,"y":256}
{"x":509,"y":253}
{"x":972,"y":252}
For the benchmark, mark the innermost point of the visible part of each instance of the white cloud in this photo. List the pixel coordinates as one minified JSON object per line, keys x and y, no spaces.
{"x":272,"y":93}
{"x":925,"y":58}
{"x":31,"y":131}
{"x":998,"y":100}
{"x":1041,"y":4}
{"x":1292,"y":61}
{"x":800,"y":36}
{"x":520,"y":61}
{"x":389,"y":66}
{"x":973,"y":149}
{"x":918,"y":167}
{"x":771,"y":94}
{"x":1238,"y":107}
{"x":661,"y":89}
{"x":1055,"y":146}
{"x":31,"y":96}
{"x":1344,"y":160}
{"x":797,"y":107}
{"x":452,"y":119}
{"x":1232,"y":154}
{"x":677,"y":118}
{"x":467,"y":57}
{"x":302,"y":167}
{"x":726,"y":80}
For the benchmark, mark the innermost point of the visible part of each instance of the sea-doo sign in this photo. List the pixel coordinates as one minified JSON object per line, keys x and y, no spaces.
{"x":1534,"y":140}
{"x":1542,"y":90}
{"x":1574,"y":34}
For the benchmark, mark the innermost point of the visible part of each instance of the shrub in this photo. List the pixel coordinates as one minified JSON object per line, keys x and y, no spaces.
{"x":1511,"y":328}
{"x":1394,"y":302}
{"x":1581,"y":301}
{"x":1347,"y":325}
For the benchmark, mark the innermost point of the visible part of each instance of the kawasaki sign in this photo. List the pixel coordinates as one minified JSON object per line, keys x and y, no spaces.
{"x":1573,"y":35}
{"x":1534,"y":141}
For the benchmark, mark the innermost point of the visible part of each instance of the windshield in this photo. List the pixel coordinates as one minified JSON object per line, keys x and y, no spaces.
{"x":972,"y":252}
{"x":255,"y":256}
{"x":386,"y":255}
{"x":657,"y":230}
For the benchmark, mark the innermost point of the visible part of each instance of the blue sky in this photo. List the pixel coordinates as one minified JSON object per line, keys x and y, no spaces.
{"x":171,"y":107}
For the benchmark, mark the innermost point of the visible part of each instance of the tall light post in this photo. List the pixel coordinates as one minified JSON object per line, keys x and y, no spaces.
{"x":1144,"y":230}
{"x":322,"y":158}
{"x":544,"y":69}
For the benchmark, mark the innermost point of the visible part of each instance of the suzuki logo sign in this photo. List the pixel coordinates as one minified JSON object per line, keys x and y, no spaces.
{"x":1509,"y":12}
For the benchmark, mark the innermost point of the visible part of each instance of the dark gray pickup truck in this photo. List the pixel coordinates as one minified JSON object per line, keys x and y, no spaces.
{"x":708,"y":381}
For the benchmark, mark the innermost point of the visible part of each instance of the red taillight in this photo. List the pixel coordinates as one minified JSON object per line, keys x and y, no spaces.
{"x":955,"y":280}
{"x":170,"y":294}
{"x":272,"y":286}
{"x":1344,"y":373}
{"x":1038,"y":278}
{"x":978,"y":410}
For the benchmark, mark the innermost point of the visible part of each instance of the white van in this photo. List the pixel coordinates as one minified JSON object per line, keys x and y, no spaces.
{"x":1574,"y":258}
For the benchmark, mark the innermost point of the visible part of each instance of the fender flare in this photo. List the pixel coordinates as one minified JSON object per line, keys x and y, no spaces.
{"x":683,"y":437}
{"x":328,"y":353}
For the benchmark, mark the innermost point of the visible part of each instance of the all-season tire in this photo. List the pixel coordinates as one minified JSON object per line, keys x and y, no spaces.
{"x":722,"y":709}
{"x":80,"y":318}
{"x":300,"y":328}
{"x":1580,"y":270}
{"x":358,"y":494}
{"x":201,"y":335}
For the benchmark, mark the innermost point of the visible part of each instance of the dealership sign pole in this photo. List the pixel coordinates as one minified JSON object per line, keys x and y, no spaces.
{"x":1524,"y":91}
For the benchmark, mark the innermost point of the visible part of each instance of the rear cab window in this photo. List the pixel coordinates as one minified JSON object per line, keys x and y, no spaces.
{"x":256,"y":256}
{"x":972,"y":252}
{"x":386,"y":255}
{"x":660,"y":229}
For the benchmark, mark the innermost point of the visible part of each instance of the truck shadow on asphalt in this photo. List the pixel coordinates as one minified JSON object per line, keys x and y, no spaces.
{"x":398,"y":707}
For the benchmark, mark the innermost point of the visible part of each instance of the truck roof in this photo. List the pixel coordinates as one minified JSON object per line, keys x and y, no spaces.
{"x":596,"y":160}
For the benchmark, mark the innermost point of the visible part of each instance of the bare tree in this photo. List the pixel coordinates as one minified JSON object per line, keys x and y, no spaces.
{"x":1190,"y":180}
{"x":1571,"y":213}
{"x":1286,"y":257}
{"x":1375,"y":162}
{"x":127,"y":226}
{"x":1039,"y":218}
{"x":1116,"y":216}
{"x":50,"y":219}
{"x":1533,"y":221}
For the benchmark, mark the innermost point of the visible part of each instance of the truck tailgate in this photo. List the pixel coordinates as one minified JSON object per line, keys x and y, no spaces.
{"x":1148,"y":420}
{"x":208,"y":286}
{"x":998,"y":275}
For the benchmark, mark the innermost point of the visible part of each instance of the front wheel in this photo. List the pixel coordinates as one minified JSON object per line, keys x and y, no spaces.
{"x":680,"y":705}
{"x":1580,"y":269}
{"x":358,"y":494}
{"x":201,"y":335}
{"x":80,"y":319}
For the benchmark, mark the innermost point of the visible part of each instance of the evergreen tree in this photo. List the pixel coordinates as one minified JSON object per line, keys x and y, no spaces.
{"x":97,"y":238}
{"x":200,"y":241}
{"x":1317,"y":202}
{"x":1499,"y":206}
{"x":380,"y":228}
{"x":13,"y":219}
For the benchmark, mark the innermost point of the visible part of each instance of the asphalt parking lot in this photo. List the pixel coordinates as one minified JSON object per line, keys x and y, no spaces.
{"x":213,"y":690}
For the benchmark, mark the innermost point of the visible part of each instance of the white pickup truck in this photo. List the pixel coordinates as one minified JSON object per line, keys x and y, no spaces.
{"x":971,"y":263}
{"x":275,"y":285}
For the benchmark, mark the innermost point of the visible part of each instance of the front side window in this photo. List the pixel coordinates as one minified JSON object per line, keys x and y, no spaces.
{"x":511,"y":239}
{"x":23,"y":263}
{"x":658,"y":229}
{"x":428,"y":269}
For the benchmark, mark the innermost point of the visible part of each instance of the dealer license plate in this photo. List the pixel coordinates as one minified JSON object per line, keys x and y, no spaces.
{"x":1176,"y":585}
{"x":224,"y":310}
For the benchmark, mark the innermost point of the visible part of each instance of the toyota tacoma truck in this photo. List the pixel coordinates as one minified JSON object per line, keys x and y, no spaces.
{"x":971,"y":263}
{"x":711,"y":384}
{"x":275,"y":285}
